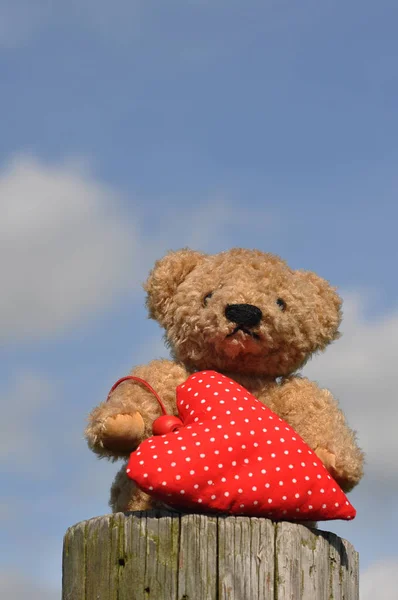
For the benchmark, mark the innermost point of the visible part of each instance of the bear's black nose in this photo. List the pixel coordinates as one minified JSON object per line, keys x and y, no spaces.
{"x":245,"y":315}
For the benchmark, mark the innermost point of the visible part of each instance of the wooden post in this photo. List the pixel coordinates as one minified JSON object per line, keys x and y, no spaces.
{"x":166,"y":556}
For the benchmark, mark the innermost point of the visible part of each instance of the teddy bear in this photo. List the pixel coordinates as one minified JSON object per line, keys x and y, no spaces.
{"x":245,"y":314}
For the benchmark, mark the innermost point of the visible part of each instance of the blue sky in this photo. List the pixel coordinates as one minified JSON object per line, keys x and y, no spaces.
{"x":130,"y":128}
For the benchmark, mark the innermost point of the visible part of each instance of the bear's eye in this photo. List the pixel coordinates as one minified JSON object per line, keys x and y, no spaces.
{"x":207,"y":297}
{"x":281,"y":303}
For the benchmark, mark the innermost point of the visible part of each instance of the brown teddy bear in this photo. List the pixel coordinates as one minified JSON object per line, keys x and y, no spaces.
{"x":246,"y":314}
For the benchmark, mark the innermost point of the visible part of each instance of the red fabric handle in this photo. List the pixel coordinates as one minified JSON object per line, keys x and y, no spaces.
{"x":144,"y":383}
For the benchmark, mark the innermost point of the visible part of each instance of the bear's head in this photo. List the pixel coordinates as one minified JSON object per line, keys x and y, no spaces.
{"x":241,"y":311}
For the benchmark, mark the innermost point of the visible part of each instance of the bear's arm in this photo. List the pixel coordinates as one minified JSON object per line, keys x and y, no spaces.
{"x":116,"y":427}
{"x":316,"y":416}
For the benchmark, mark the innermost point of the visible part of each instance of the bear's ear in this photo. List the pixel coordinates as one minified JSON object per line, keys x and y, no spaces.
{"x":326,"y":305}
{"x":164,"y":279}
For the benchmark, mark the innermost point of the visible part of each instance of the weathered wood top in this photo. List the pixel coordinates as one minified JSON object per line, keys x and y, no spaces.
{"x":167,"y":556}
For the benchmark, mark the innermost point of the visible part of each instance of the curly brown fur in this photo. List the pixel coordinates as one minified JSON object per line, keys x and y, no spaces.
{"x":188,"y":293}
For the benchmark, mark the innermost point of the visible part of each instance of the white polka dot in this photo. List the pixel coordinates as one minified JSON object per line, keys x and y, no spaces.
{"x":336,"y":504}
{"x":319,"y":476}
{"x":238,"y":433}
{"x":168,"y":452}
{"x":210,"y":482}
{"x":220,"y":466}
{"x":128,"y":470}
{"x":215,"y":394}
{"x":213,"y":497}
{"x":306,"y":478}
{"x":241,"y":506}
{"x":240,"y":491}
{"x":281,"y":483}
{"x":178,"y":476}
{"x":286,"y":452}
{"x":322,"y":491}
{"x":188,"y":459}
{"x":145,"y":474}
{"x":192,"y":472}
{"x":197,"y":443}
{"x":284,"y":497}
{"x":230,"y":449}
{"x":182,"y":492}
{"x":206,"y":468}
{"x":254,"y":488}
{"x":323,"y":505}
{"x":164,"y":482}
{"x":203,"y":401}
{"x":267,"y":485}
{"x":303,"y":464}
{"x":273,"y":455}
{"x":269,"y":442}
{"x":233,"y":463}
{"x":250,"y":474}
{"x":208,"y":408}
{"x":246,"y":460}
{"x":259,"y":458}
{"x":309,"y":493}
{"x":269,"y":500}
{"x":196,"y":486}
{"x":291,"y":467}
{"x":160,"y":469}
{"x":263,"y":471}
{"x":223,"y":479}
{"x":202,"y":455}
{"x":294,"y":480}
{"x":236,"y":476}
{"x":297,"y":495}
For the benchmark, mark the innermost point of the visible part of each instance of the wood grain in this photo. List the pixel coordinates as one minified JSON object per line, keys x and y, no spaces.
{"x":160,"y":555}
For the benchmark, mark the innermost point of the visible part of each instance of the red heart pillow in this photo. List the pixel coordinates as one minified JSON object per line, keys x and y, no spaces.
{"x":234,"y":455}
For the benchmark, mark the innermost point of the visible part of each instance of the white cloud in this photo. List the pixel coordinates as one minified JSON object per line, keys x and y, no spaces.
{"x":66,"y":250}
{"x":360,"y":370}
{"x":14,"y":585}
{"x":380,"y":581}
